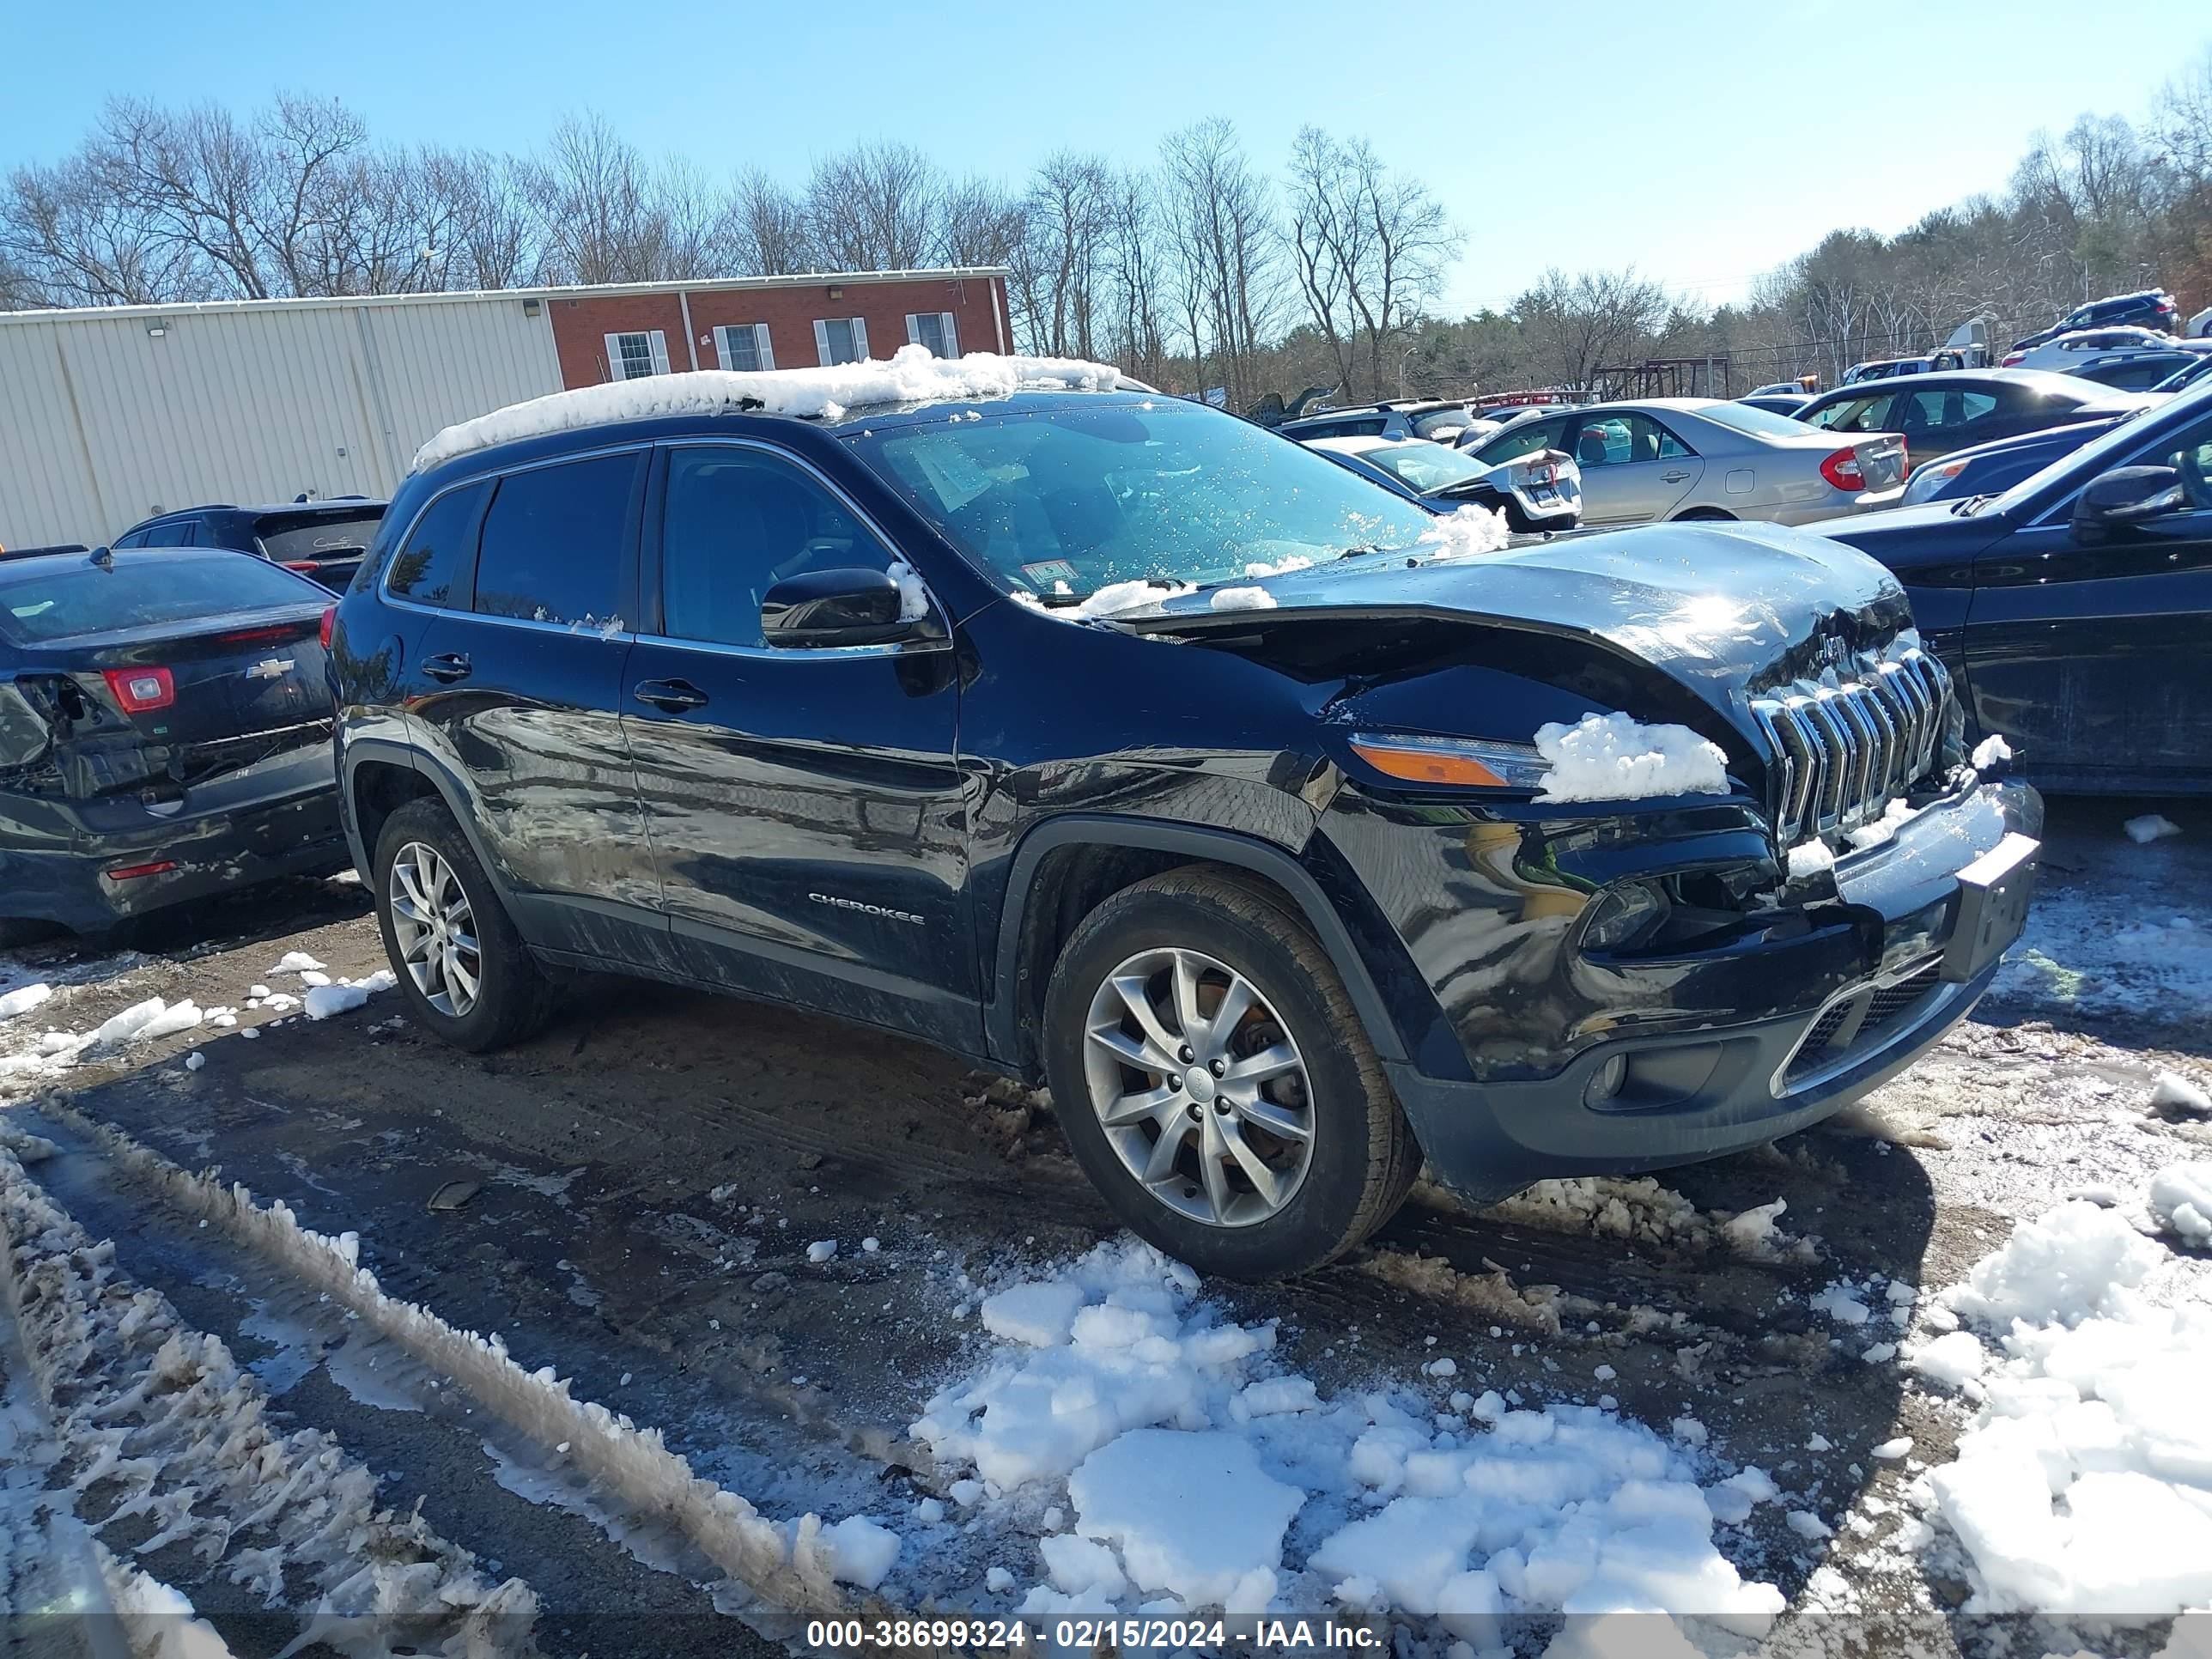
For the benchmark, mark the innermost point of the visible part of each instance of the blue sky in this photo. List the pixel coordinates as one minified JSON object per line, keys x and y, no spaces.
{"x":1702,"y":142}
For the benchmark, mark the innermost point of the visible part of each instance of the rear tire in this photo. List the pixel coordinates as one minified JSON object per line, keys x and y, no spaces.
{"x":483,"y":989}
{"x":1710,"y":514}
{"x":1209,"y":935}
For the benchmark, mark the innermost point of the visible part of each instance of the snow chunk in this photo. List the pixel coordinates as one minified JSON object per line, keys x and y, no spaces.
{"x":1039,"y":1314}
{"x":1411,"y":1550}
{"x":1891,"y":1451}
{"x":1617,"y":758}
{"x":1193,"y":1513}
{"x":1808,"y":1526}
{"x":1953,"y":1359}
{"x":295,"y":962}
{"x":2178,"y":1092}
{"x":821,"y":1250}
{"x":2180,"y":1198}
{"x":1988,"y":751}
{"x":1808,"y":859}
{"x":323,"y":1001}
{"x":1242,"y":598}
{"x":1841,"y":1303}
{"x":912,"y":376}
{"x":1469,"y":533}
{"x":24,"y":999}
{"x":2150,"y":827}
{"x":2074,"y":1263}
{"x":859,"y":1551}
{"x":194,"y":1061}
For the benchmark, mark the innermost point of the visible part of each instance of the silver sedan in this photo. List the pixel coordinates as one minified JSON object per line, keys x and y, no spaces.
{"x":1697,"y":458}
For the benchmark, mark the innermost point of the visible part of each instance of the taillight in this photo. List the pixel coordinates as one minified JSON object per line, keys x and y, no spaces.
{"x":1842,"y":470}
{"x":305,"y":567}
{"x":330,"y":621}
{"x":141,"y":690}
{"x":2010,"y":358}
{"x":139,"y":871}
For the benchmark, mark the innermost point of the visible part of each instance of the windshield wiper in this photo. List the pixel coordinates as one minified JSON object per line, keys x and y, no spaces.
{"x":1971,"y":505}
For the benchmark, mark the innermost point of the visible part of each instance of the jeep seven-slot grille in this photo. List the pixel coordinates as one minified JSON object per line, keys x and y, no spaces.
{"x":1859,"y":1023}
{"x":1847,"y":749}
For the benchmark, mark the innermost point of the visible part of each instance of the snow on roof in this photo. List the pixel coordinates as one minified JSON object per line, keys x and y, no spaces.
{"x":912,"y":376}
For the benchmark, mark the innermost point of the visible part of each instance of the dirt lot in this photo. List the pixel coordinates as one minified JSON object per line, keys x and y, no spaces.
{"x":630,"y":1200}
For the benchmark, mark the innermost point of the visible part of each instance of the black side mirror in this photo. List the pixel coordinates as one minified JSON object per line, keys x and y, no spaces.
{"x":2126,"y":495}
{"x":824,"y":610}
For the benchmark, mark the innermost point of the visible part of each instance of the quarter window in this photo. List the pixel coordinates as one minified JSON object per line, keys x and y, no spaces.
{"x":432,"y":568}
{"x":735,"y":522}
{"x":634,"y":356}
{"x":1868,"y":414}
{"x":841,"y":340}
{"x":744,"y":346}
{"x":934,"y":329}
{"x":553,"y":543}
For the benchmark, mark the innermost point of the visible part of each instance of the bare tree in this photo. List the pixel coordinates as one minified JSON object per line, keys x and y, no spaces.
{"x":1136,"y":268}
{"x":980,"y":222}
{"x":1575,"y":323}
{"x":875,"y":208}
{"x":766,"y":231}
{"x":1220,"y":219}
{"x":1056,"y":264}
{"x":593,"y":193}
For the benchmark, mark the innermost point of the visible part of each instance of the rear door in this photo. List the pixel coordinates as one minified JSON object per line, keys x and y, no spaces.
{"x":1634,"y":469}
{"x":516,"y":691}
{"x":2094,"y":655}
{"x":1938,"y":419}
{"x":806,"y":806}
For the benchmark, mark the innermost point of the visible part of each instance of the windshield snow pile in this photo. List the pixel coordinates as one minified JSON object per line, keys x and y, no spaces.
{"x":912,"y":376}
{"x":1615,"y":757}
{"x":1468,"y":532}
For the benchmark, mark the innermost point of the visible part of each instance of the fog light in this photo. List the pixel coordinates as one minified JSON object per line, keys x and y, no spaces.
{"x":1623,"y":915}
{"x":1604,"y":1082}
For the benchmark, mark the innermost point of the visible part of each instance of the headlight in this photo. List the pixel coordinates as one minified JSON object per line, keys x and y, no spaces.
{"x":1929,"y":479}
{"x":1463,"y":762}
{"x":1625,"y":914}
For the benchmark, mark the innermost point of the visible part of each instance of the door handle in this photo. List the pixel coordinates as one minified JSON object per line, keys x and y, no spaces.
{"x":1672,"y":478}
{"x":670,"y":696}
{"x":447,"y":667}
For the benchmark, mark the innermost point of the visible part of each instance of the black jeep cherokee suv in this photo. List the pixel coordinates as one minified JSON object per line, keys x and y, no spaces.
{"x":886,"y":713}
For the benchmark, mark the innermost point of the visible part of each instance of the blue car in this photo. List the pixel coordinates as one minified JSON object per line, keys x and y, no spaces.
{"x":2072,"y":608}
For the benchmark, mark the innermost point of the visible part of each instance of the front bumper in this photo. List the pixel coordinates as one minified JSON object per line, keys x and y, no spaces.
{"x":278,"y":818}
{"x":1725,"y":1050}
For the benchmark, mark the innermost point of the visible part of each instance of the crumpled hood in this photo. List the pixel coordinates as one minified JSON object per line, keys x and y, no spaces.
{"x":1731,"y":611}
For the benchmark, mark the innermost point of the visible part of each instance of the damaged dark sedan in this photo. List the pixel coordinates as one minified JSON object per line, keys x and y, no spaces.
{"x":164,"y":733}
{"x":1292,"y":835}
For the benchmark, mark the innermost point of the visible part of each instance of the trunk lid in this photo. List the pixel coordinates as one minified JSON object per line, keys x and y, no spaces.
{"x":1881,"y":460}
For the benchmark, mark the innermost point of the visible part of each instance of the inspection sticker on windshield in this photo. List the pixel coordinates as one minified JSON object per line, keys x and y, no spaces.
{"x":1047,"y":571}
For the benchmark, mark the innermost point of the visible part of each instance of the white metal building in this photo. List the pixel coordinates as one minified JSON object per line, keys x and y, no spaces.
{"x":112,"y":415}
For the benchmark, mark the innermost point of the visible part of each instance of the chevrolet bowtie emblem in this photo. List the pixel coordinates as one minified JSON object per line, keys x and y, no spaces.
{"x":270,"y":668}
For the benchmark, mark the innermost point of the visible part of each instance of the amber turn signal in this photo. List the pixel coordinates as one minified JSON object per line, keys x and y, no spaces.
{"x":1428,"y":765}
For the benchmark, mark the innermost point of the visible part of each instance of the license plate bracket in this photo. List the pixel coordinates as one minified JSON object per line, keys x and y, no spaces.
{"x":1994,"y":892}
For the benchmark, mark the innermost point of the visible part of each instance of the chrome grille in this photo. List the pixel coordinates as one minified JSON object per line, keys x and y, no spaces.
{"x":1846,"y":750}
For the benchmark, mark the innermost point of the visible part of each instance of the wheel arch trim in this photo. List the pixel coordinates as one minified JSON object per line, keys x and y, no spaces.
{"x":1201,"y":843}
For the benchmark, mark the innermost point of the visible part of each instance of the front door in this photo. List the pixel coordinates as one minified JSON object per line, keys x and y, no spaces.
{"x":1634,"y":470}
{"x":517,"y":688}
{"x":804,"y":805}
{"x":2092,"y":659}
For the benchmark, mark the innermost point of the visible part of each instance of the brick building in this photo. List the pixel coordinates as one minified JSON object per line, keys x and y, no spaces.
{"x":111,"y":415}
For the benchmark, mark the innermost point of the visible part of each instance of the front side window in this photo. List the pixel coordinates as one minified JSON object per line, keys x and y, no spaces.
{"x":2189,"y":452}
{"x":737,"y":521}
{"x":553,"y":541}
{"x":432,"y":568}
{"x":744,"y":346}
{"x":933,"y":330}
{"x":1524,"y":438}
{"x":841,"y":340}
{"x":634,"y":356}
{"x":1061,"y":501}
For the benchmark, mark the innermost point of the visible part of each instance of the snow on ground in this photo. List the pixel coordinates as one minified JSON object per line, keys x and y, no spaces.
{"x":912,"y":376}
{"x":1617,"y":758}
{"x":1196,"y":1474}
{"x":1638,"y":1208}
{"x":2083,"y":1486}
{"x":160,"y":1417}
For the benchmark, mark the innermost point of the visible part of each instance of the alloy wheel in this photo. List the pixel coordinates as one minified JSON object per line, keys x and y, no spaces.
{"x":435,"y":927}
{"x":1201,"y":1090}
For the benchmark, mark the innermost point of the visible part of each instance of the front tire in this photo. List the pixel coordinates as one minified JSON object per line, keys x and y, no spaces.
{"x":467,"y":973}
{"x":1215,"y":1082}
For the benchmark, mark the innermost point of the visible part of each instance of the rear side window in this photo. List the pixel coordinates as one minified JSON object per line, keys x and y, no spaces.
{"x":1523,"y":438}
{"x":82,"y":598}
{"x":315,"y":537}
{"x":1921,"y":410}
{"x":432,"y":568}
{"x":553,"y":540}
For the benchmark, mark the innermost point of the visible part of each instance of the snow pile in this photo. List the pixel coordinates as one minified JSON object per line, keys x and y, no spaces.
{"x":2173,"y":1091}
{"x":2179,"y":1198}
{"x":1199,"y":1476}
{"x":1242,"y":598}
{"x":1617,"y":758}
{"x":1469,"y":533}
{"x":165,"y":1414}
{"x":295,"y":962}
{"x":1282,"y":567}
{"x":1638,"y":1209}
{"x":2084,"y":1486}
{"x":913,"y":375}
{"x":2150,"y":827}
{"x":323,"y":1001}
{"x":1808,"y":859}
{"x":1988,"y":751}
{"x":1112,"y":600}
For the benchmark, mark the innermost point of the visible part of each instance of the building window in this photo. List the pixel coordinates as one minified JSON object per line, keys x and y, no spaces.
{"x":933,"y":328}
{"x":841,"y":340}
{"x":745,"y":345}
{"x":634,"y":356}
